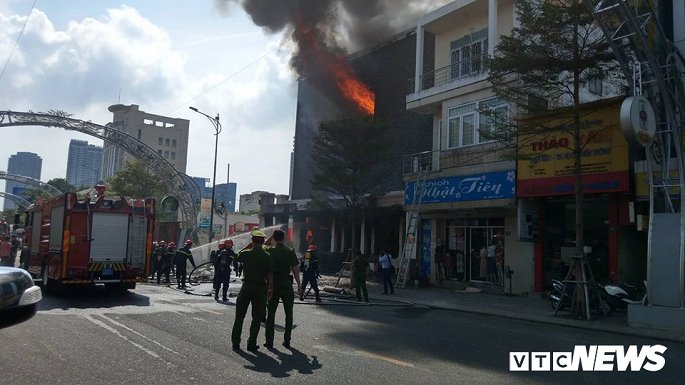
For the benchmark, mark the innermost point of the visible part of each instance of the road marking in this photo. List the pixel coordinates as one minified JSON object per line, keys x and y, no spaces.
{"x":139,"y":334}
{"x":123,"y":337}
{"x":194,"y":307}
{"x":384,"y":358}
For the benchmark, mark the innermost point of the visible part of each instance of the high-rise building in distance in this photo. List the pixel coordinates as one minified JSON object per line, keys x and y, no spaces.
{"x":24,"y":164}
{"x":167,"y":136}
{"x":84,"y":163}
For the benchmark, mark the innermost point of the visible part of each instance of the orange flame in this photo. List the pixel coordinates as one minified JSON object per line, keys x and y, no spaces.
{"x":332,"y":62}
{"x":354,"y":90}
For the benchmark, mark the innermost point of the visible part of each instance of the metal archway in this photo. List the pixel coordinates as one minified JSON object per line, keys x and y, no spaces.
{"x":50,"y":189}
{"x":17,"y":199}
{"x":179,"y":184}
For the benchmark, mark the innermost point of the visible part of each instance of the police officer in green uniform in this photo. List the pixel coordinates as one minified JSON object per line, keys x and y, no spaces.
{"x":257,"y":287}
{"x":360,"y":265}
{"x":285,"y":262}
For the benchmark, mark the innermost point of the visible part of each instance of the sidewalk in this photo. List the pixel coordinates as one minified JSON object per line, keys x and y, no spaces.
{"x":527,"y":308}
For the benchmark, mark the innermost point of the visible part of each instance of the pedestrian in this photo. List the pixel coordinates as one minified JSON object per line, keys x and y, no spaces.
{"x":285,"y":263}
{"x":15,"y":246}
{"x":180,"y":260}
{"x":360,"y":264}
{"x":387,"y":270}
{"x":165,"y":261}
{"x":222,"y":268}
{"x":310,"y":271}
{"x":238,"y":268}
{"x":256,"y":289}
{"x":5,"y":251}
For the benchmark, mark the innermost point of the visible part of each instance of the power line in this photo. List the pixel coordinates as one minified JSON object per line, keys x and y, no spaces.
{"x":18,"y":38}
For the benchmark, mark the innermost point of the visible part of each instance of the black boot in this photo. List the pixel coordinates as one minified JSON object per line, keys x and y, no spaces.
{"x":225,"y":292}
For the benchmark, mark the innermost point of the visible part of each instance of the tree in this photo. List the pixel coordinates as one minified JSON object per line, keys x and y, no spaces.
{"x":350,"y":155}
{"x":62,"y":185}
{"x":555,"y":51}
{"x":135,"y":180}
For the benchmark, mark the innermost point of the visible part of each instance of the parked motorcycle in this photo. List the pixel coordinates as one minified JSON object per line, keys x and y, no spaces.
{"x":560,"y":298}
{"x":620,"y":295}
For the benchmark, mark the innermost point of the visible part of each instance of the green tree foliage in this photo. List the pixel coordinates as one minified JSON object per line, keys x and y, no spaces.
{"x":555,"y":51}
{"x":135,"y":180}
{"x":62,"y":185}
{"x":351,"y":158}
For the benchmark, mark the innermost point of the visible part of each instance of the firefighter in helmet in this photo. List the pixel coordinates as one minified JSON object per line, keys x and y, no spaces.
{"x":256,"y":290}
{"x":310,"y":271}
{"x":222,"y":268}
{"x":180,"y":260}
{"x":158,"y":250}
{"x":164,"y":265}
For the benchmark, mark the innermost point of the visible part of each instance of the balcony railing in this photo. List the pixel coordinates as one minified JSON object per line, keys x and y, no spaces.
{"x":472,"y":68}
{"x":430,"y":161}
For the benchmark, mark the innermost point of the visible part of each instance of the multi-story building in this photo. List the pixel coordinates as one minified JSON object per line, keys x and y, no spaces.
{"x":168,"y":136}
{"x":84,"y":163}
{"x":226,"y":194}
{"x":24,"y":164}
{"x":250,"y":202}
{"x":484,"y":215}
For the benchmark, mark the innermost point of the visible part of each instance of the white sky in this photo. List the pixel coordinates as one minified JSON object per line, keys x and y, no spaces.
{"x":78,"y":55}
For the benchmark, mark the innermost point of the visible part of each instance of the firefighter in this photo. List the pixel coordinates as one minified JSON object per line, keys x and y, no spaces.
{"x":310,"y":271}
{"x":222,"y":268}
{"x":164,"y":265}
{"x":158,"y":250}
{"x":180,"y":260}
{"x":285,"y":262}
{"x":256,"y":290}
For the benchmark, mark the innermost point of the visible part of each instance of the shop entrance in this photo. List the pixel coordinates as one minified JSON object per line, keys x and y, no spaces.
{"x":475,"y":250}
{"x":559,"y":237}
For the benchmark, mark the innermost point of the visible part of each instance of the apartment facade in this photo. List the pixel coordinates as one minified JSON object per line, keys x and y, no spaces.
{"x":484,"y":216}
{"x":168,"y":136}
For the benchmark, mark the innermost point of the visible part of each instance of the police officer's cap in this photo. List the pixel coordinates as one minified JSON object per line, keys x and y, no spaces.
{"x":258,"y":233}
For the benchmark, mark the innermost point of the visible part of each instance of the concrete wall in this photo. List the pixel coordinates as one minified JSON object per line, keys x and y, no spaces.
{"x":519,"y":256}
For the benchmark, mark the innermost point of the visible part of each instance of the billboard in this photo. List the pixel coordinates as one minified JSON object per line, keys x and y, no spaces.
{"x":546,"y":164}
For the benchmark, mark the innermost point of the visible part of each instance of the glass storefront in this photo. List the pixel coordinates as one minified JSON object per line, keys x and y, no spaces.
{"x":474,"y":250}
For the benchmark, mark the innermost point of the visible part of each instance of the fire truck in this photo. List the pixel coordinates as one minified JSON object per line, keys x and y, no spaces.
{"x":74,"y":241}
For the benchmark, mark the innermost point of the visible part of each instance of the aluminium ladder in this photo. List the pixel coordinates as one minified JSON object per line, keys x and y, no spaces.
{"x":409,"y":245}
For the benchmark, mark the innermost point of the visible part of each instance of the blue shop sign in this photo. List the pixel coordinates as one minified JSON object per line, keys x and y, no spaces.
{"x":493,"y":185}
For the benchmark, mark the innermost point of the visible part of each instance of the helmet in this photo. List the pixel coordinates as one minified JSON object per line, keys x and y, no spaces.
{"x":162,"y":243}
{"x":188,"y":242}
{"x":228,"y":243}
{"x":222,"y":246}
{"x":172,"y":244}
{"x":258,"y":233}
{"x":311,"y":248}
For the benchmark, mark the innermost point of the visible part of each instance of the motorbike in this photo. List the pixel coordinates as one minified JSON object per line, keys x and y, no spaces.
{"x":620,"y":295}
{"x":560,"y":296}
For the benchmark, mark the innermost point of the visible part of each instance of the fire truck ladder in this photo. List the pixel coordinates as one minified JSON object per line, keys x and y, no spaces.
{"x":656,"y":67}
{"x":409,"y":246}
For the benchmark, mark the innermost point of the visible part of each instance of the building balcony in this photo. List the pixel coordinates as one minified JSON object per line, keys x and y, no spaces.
{"x":476,"y":158}
{"x":435,"y":86}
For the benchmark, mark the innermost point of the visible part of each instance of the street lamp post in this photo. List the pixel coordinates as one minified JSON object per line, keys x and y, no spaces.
{"x":217,"y":129}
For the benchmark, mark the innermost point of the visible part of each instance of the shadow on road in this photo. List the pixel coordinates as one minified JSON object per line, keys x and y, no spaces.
{"x":91,"y":297}
{"x":296,"y":360}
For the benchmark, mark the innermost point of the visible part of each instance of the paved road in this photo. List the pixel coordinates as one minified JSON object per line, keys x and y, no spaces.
{"x":160,"y":335}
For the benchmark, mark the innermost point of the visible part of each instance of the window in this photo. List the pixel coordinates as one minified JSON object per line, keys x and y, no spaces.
{"x":467,"y":55}
{"x":462,"y":126}
{"x":594,"y":82}
{"x":159,"y":152}
{"x":166,"y":154}
{"x":173,"y":155}
{"x":140,"y":133}
{"x":173,"y":143}
{"x":466,"y":123}
{"x":166,"y":142}
{"x":161,"y":141}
